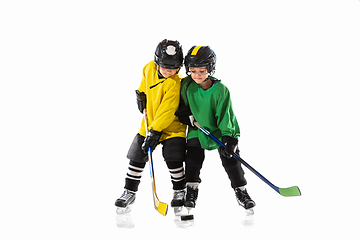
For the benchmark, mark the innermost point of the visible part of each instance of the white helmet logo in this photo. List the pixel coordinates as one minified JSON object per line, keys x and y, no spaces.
{"x":171,"y":50}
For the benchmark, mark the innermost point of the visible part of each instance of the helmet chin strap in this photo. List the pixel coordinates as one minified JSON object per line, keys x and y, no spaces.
{"x":158,"y":71}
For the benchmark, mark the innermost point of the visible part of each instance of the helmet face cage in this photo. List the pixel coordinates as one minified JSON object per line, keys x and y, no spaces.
{"x":169,"y":54}
{"x":200,"y":56}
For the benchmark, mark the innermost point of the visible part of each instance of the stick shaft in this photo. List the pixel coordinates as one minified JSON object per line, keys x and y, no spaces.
{"x":293,"y":191}
{"x":159,"y":206}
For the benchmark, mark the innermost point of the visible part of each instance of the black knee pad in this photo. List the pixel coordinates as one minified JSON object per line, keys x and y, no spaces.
{"x":174,"y":149}
{"x":135,"y":152}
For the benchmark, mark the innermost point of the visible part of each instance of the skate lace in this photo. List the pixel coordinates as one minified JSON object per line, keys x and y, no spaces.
{"x":243,"y":195}
{"x":179,"y":194}
{"x":126,"y":195}
{"x":192,"y":194}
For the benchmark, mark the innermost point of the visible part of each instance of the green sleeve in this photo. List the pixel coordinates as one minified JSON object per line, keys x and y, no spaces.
{"x":225,"y":117}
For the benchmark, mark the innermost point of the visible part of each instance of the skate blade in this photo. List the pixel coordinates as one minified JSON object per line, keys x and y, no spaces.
{"x":123,"y":210}
{"x":189,"y":209}
{"x":250,"y":211}
{"x":178,"y":210}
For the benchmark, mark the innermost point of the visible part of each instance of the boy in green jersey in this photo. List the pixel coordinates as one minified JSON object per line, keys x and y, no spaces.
{"x":206,"y":100}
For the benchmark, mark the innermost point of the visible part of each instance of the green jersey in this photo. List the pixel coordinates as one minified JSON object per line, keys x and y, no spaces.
{"x":212,"y":109}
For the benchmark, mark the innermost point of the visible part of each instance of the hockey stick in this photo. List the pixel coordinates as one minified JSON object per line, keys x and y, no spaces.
{"x":286,"y":192}
{"x":161,"y":207}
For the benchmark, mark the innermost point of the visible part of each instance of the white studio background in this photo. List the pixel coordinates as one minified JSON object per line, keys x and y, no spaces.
{"x":68,"y":71}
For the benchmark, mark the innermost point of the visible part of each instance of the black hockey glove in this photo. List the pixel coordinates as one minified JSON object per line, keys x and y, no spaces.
{"x":141,"y":100}
{"x":151,"y":140}
{"x":185,"y":116}
{"x":230,"y":146}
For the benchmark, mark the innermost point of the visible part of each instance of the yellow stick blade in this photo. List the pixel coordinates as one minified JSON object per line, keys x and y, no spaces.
{"x":162,"y":208}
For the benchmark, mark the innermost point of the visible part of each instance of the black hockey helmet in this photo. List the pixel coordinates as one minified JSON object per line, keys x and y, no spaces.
{"x":169,"y":54}
{"x":200,"y":56}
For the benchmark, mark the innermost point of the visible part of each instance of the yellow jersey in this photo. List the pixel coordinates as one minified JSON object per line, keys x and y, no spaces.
{"x":162,"y":101}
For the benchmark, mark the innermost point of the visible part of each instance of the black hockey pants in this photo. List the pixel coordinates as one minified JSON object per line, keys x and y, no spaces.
{"x":195,"y":157}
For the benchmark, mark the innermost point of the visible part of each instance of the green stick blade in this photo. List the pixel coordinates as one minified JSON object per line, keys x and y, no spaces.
{"x":290,"y":192}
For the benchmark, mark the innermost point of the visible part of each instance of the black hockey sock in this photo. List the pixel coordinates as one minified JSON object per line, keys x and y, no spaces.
{"x":133,"y":175}
{"x":193,"y":163}
{"x":177,"y":174}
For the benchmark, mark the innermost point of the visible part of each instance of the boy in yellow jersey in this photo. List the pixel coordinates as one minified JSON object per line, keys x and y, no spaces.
{"x":159,"y":93}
